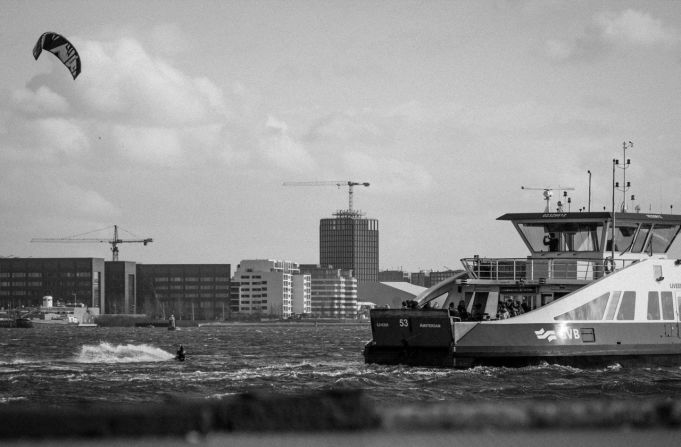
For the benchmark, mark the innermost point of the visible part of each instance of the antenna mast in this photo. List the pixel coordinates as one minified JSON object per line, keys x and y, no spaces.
{"x":548,"y":193}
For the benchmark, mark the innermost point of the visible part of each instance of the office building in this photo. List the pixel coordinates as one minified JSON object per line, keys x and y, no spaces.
{"x":187,"y":291}
{"x":120,"y":287}
{"x":24,"y":281}
{"x":349,"y":241}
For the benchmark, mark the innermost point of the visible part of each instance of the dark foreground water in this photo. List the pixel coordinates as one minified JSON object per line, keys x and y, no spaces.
{"x":66,"y":366}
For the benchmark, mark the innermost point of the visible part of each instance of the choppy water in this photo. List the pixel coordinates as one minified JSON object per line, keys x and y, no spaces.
{"x":65,"y":366}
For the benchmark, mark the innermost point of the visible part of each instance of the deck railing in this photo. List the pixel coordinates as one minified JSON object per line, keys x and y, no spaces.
{"x":524,"y":269}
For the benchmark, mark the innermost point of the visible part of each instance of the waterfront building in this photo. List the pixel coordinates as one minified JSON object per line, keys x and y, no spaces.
{"x":302,"y":288}
{"x":24,"y":281}
{"x":421,"y":278}
{"x":437,"y":277}
{"x":266,"y":287}
{"x":349,"y":241}
{"x":393,"y":276}
{"x":334,"y":291}
{"x":187,"y":291}
{"x":120,"y":287}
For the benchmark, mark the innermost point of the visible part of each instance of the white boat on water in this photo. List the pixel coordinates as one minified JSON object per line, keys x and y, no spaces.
{"x":75,"y":314}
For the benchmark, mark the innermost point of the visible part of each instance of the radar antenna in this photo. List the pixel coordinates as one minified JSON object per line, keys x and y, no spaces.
{"x":548,"y":193}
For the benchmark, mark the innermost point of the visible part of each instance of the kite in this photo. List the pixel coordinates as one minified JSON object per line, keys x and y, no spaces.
{"x":60,"y":47}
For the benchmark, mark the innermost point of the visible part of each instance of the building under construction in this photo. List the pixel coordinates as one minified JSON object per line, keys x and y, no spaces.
{"x":349,"y":241}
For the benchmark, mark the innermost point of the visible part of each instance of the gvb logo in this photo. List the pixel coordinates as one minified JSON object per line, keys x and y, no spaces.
{"x":563,"y":333}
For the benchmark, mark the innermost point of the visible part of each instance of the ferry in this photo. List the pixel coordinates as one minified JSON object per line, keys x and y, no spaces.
{"x":597,"y":289}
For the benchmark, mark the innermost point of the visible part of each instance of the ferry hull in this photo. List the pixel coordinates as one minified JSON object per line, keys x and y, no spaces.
{"x":431,"y":338}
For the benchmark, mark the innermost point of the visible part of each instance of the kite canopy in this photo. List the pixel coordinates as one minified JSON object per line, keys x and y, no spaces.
{"x":60,"y":47}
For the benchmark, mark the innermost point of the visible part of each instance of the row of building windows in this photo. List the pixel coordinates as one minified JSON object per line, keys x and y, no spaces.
{"x":45,"y":275}
{"x":191,"y":279}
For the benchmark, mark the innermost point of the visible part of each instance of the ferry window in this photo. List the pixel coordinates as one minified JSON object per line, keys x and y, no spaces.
{"x":667,"y":306}
{"x":641,"y":239}
{"x":593,"y":310}
{"x":653,"y":306}
{"x":624,"y":236}
{"x":627,"y":307}
{"x":663,"y":235}
{"x":612,"y":305}
{"x":562,"y":236}
{"x":479,"y":304}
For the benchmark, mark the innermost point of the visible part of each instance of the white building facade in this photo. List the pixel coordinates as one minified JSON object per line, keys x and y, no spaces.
{"x":271,"y":288}
{"x":334,"y":292}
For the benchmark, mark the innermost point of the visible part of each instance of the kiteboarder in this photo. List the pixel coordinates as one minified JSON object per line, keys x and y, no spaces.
{"x":180,"y":354}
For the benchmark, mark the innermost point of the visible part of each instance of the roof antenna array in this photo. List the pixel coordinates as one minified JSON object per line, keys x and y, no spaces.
{"x":548,"y":193}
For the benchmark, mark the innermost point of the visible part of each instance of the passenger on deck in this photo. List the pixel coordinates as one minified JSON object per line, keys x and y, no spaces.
{"x":502,"y":312}
{"x":525,"y":306}
{"x":463,"y":313}
{"x":517,"y":309}
{"x":477,"y":313}
{"x":452,"y":310}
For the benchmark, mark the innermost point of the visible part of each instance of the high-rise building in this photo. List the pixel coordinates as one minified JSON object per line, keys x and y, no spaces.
{"x":349,"y":241}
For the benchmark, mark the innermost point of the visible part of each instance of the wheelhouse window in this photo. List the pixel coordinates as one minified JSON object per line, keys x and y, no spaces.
{"x":663,"y":236}
{"x":624,"y":237}
{"x":563,"y":236}
{"x":643,"y":238}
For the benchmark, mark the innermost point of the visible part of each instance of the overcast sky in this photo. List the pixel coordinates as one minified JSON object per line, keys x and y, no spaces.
{"x":188,"y":117}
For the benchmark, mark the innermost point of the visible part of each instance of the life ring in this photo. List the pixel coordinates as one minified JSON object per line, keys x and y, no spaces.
{"x":609,"y":265}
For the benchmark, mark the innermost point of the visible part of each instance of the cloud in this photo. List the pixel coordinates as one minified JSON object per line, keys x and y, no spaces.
{"x":635,"y":27}
{"x":609,"y":30}
{"x":53,"y":196}
{"x":132,"y":105}
{"x":282,"y":150}
{"x":43,"y":101}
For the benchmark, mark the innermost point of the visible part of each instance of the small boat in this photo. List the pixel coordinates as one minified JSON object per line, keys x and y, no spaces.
{"x":597,"y":289}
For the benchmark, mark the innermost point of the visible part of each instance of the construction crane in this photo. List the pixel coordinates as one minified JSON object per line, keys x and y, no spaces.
{"x":114,"y":242}
{"x":350,"y":184}
{"x":548,"y":193}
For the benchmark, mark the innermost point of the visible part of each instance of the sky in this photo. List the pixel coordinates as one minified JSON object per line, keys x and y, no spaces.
{"x":188,"y":117}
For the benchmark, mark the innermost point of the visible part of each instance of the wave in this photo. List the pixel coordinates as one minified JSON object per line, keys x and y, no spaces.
{"x":108,"y":353}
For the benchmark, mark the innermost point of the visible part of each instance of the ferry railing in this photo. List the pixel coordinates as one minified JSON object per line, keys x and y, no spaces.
{"x":524,"y":269}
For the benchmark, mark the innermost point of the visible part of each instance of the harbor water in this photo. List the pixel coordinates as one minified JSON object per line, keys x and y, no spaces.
{"x":67,"y":366}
